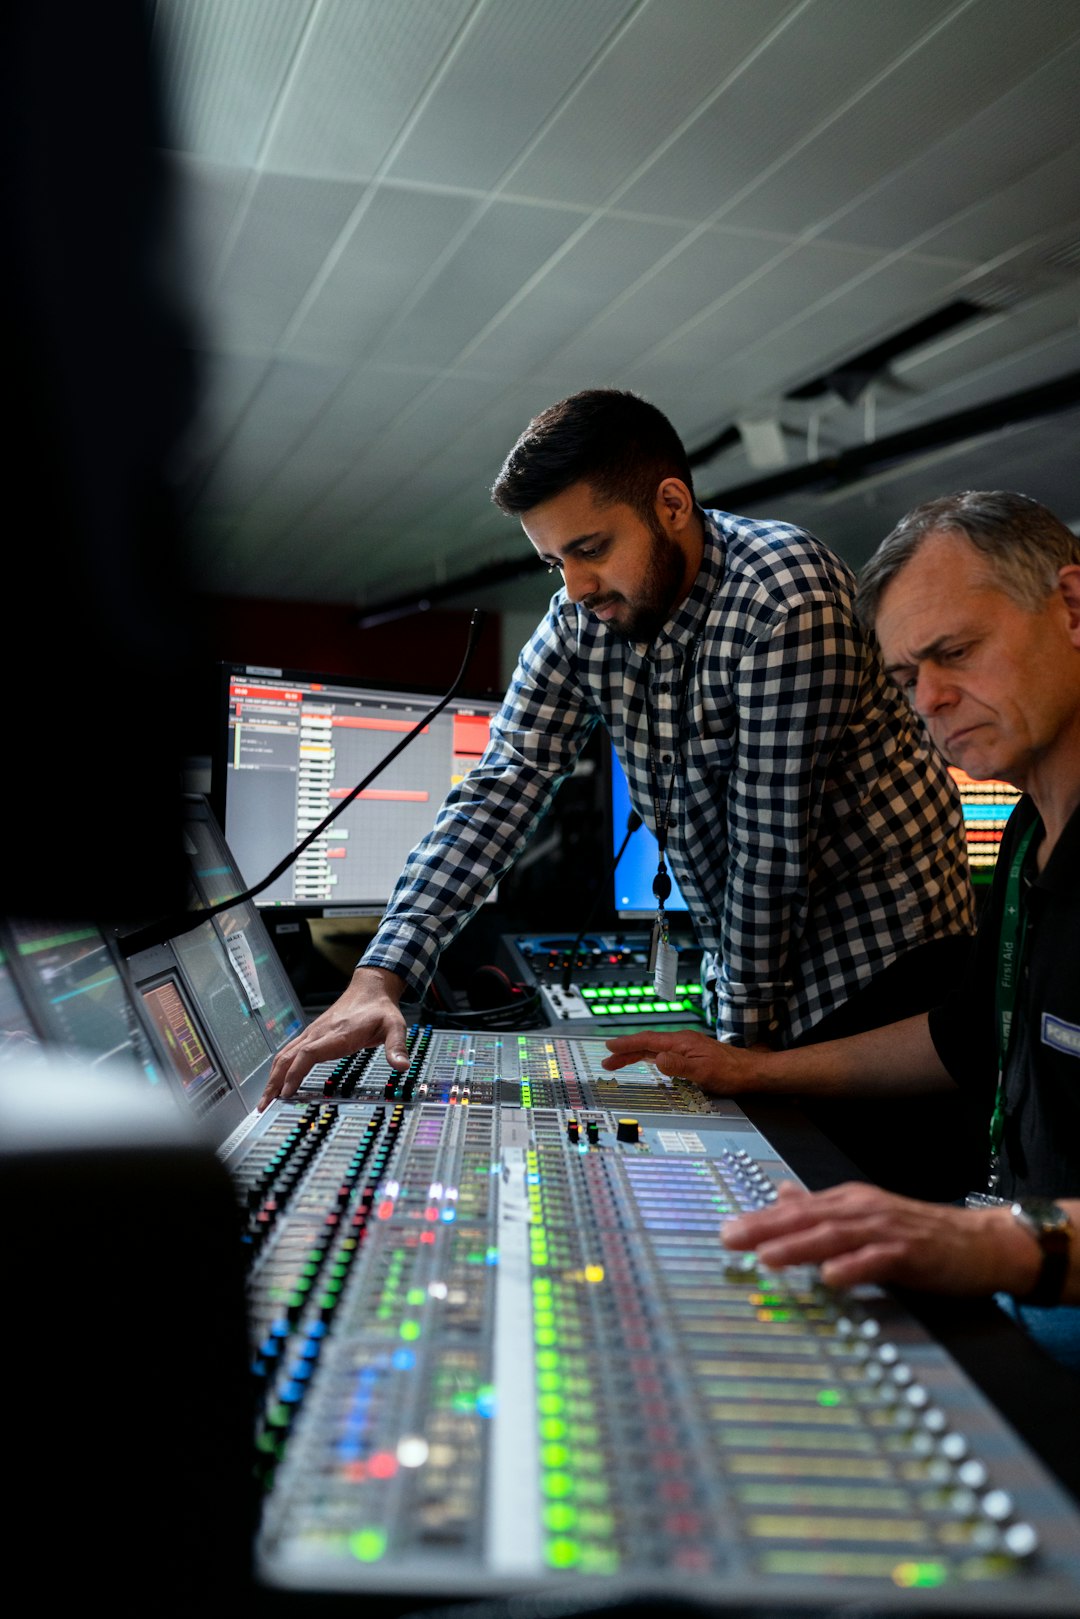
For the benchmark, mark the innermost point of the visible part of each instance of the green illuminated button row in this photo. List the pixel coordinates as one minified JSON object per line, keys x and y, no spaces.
{"x":641,"y":1003}
{"x":622,"y":992}
{"x":579,"y":1523}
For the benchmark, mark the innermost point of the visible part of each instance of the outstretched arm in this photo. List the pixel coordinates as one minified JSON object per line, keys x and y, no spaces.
{"x":899,"y":1059}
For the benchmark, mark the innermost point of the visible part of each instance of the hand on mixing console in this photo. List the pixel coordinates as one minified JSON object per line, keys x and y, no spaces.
{"x":689,"y":1054}
{"x":366,"y":1014}
{"x":857,"y":1233}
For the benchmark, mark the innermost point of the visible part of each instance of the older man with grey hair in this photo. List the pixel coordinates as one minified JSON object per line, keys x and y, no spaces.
{"x":975,"y":602}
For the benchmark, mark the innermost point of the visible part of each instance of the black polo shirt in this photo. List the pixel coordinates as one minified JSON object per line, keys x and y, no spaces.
{"x":1040,"y":1152}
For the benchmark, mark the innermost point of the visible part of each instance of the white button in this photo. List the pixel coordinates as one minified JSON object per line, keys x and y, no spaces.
{"x":1021,"y":1539}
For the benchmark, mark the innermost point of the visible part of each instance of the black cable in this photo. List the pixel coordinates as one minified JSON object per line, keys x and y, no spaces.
{"x":527,"y":1012}
{"x":633,"y":821}
{"x":524,"y":1009}
{"x":159,"y":932}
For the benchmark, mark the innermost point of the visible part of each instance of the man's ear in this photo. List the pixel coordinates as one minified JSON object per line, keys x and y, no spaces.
{"x":674,"y":503}
{"x":1069,"y":586}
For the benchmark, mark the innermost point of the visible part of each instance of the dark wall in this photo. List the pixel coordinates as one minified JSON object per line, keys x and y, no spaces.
{"x":424,"y":650}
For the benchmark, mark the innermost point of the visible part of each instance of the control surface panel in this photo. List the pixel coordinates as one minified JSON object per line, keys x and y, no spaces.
{"x":609,"y":981}
{"x":499,"y":1346}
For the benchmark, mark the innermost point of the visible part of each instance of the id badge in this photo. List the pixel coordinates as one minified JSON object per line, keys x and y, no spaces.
{"x":663,"y":961}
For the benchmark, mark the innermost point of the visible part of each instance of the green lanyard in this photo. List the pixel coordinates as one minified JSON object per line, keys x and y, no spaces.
{"x":1010,"y":958}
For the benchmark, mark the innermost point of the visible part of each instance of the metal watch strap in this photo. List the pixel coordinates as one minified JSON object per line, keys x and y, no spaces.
{"x":1053,"y":1230}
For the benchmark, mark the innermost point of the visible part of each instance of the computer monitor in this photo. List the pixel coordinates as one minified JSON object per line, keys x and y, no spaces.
{"x":71,"y":981}
{"x":291,"y":744}
{"x":987,"y":806}
{"x":632,"y":880}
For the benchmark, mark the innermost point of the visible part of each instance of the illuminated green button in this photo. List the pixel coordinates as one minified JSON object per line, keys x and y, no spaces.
{"x":368,"y":1545}
{"x":559,"y":1516}
{"x":562,"y":1553}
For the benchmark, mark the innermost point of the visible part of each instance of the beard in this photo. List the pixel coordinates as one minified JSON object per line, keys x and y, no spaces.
{"x":643,"y":615}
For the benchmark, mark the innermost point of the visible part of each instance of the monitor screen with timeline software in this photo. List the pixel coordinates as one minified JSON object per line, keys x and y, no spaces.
{"x":290,"y":745}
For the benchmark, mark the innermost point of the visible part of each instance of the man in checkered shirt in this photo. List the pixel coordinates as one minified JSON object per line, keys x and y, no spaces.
{"x":814,"y":831}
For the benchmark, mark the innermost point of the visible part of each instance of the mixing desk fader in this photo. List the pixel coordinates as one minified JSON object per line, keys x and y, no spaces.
{"x":499,"y":1346}
{"x":609,"y":983}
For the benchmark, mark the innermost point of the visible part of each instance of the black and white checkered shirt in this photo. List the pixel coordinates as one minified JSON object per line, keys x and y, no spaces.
{"x":816,"y":834}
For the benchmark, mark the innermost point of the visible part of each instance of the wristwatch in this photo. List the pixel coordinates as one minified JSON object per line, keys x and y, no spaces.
{"x":1052,"y":1230}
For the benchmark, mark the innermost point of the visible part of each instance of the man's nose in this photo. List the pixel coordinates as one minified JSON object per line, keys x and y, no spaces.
{"x":579,"y":579}
{"x":934,"y":690}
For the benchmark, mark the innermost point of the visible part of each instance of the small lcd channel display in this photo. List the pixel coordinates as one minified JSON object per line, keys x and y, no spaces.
{"x":183,"y":1038}
{"x":19,"y":1039}
{"x":77,"y":994}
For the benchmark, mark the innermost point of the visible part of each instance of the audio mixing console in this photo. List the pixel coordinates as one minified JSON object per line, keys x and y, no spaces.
{"x":499,"y":1346}
{"x":610,"y":984}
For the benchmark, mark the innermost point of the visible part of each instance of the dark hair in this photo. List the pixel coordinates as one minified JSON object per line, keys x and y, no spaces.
{"x":617,"y":443}
{"x":1023,"y":545}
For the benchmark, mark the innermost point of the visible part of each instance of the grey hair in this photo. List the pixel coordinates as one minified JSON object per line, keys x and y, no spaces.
{"x":1023,"y":545}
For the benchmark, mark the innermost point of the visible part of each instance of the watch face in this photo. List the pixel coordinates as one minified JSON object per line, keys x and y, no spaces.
{"x":1042,"y":1212}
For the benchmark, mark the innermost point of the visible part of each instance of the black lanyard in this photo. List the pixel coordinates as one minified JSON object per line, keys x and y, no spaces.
{"x":661,"y":800}
{"x":1011,"y":941}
